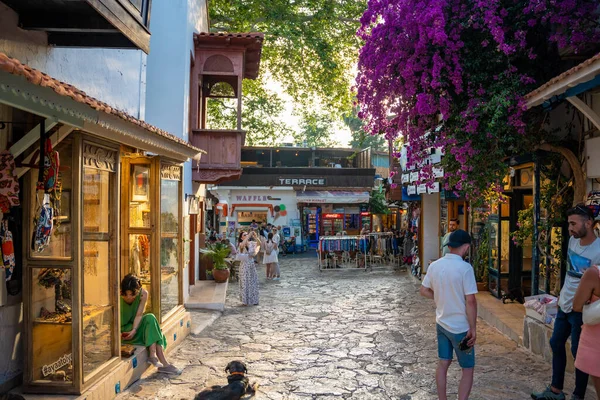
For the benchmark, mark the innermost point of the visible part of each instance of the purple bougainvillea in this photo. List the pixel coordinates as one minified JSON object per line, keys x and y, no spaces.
{"x":464,"y":67}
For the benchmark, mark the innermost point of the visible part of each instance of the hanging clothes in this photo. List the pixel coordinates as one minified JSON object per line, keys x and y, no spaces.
{"x":49,"y":177}
{"x":9,"y":184}
{"x":43,"y":223}
{"x":8,"y":250}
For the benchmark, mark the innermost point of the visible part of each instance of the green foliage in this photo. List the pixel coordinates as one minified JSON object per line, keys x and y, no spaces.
{"x":316,"y":130}
{"x":218,"y":252}
{"x":481,"y":257}
{"x":360,"y":138}
{"x":378,"y":203}
{"x":310,"y":47}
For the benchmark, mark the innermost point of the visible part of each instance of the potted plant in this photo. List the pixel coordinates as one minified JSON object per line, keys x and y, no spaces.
{"x":218,"y":252}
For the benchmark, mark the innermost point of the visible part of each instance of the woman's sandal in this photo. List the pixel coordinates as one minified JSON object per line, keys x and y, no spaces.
{"x":170,"y":369}
{"x":154,"y":361}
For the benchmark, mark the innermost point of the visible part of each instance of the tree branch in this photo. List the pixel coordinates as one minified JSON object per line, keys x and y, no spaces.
{"x":578,"y":174}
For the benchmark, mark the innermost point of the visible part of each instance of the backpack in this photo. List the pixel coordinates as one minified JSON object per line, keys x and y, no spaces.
{"x":269,"y":248}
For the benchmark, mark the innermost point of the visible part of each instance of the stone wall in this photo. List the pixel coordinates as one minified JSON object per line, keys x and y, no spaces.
{"x":536,"y":338}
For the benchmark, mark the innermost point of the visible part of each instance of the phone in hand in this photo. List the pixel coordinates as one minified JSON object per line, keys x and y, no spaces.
{"x":464,"y":344}
{"x":124,"y":334}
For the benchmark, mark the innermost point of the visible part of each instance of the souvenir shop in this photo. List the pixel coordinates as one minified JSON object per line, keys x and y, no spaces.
{"x":84,"y":203}
{"x":331,"y":213}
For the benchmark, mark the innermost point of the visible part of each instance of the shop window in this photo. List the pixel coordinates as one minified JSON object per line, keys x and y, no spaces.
{"x":170,"y":239}
{"x":139,"y":208}
{"x":98,"y":261}
{"x":51,"y":303}
{"x":60,"y":244}
{"x":139,"y":262}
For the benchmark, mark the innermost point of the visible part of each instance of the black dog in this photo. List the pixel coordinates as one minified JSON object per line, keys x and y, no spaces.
{"x":238,"y":385}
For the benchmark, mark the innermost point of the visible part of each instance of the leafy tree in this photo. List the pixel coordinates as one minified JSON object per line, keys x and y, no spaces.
{"x":316,"y":131}
{"x":360,"y":138}
{"x":310,"y":47}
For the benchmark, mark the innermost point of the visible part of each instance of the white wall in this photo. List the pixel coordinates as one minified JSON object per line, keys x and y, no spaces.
{"x":114,"y":76}
{"x":430,"y":214}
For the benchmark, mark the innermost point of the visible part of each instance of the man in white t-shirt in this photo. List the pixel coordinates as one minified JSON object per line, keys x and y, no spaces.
{"x":450,"y":282}
{"x":584,"y":251}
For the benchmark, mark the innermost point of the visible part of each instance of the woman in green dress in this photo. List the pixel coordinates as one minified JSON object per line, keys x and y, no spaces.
{"x":142,"y":329}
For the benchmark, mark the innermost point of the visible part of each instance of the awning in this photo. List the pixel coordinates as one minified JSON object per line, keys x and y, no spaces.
{"x":333,"y":197}
{"x":31,"y":90}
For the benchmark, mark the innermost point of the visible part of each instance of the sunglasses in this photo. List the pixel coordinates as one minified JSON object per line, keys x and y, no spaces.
{"x":591,"y":212}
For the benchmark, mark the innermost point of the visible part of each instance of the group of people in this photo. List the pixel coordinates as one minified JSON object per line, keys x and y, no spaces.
{"x":450,"y":282}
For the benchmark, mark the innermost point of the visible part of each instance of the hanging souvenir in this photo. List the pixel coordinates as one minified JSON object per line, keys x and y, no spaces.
{"x":9,"y":185}
{"x":8,"y":250}
{"x":48,"y":181}
{"x":43,"y":224}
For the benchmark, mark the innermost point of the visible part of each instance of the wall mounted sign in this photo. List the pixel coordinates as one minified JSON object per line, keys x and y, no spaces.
{"x":414,"y":176}
{"x":302,"y":181}
{"x":435,"y":158}
{"x":254,"y":197}
{"x":333,"y":216}
{"x":422,"y":188}
{"x":365,"y":214}
{"x":412,"y":189}
{"x":438,"y":172}
{"x":435,"y":188}
{"x":405,"y":178}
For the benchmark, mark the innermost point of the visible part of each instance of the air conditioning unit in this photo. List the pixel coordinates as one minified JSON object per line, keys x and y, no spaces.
{"x":592,"y":157}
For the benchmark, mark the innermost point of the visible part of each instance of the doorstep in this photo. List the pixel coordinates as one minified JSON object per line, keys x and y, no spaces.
{"x":129,"y":370}
{"x":207,"y":295}
{"x":507,"y":318}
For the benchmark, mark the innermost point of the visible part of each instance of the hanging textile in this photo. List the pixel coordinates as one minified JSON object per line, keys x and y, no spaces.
{"x":49,"y":178}
{"x":8,"y":250}
{"x":43,"y":225}
{"x":9,"y":185}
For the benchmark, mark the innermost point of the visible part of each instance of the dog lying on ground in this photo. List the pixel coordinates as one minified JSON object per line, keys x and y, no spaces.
{"x":238,"y":385}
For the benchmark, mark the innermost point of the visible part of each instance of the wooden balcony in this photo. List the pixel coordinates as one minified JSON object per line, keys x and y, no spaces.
{"x":223,"y":159}
{"x":88,"y":23}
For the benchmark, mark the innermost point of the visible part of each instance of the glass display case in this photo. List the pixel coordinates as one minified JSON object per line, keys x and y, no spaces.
{"x":71,"y":325}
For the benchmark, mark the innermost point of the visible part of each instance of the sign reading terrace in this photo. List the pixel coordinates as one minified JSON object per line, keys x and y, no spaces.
{"x":302,"y":181}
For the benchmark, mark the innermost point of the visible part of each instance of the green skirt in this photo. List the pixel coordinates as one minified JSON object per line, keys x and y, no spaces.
{"x":147,"y":333}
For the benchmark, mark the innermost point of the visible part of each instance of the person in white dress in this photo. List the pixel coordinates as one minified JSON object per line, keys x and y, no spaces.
{"x":276,"y":240}
{"x":270,"y":257}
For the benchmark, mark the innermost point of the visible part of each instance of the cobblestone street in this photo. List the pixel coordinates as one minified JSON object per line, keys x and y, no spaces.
{"x":339,"y":334}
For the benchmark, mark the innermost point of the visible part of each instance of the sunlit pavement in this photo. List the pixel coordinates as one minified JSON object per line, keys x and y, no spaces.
{"x":339,"y":334}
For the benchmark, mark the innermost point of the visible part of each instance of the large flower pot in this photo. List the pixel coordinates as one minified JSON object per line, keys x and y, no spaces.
{"x":221,"y":275}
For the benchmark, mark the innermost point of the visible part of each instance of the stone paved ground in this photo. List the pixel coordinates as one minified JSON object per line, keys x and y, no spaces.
{"x":339,"y":335}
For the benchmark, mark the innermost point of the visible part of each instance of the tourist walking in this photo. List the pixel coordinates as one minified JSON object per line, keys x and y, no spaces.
{"x":450,"y":282}
{"x":247,"y":249}
{"x":270,"y":257}
{"x":276,"y":240}
{"x":588,"y":352}
{"x":583,"y":252}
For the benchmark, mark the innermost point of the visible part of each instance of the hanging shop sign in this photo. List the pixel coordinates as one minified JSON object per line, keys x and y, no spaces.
{"x":255,"y":197}
{"x":435,"y":188}
{"x":422,"y":188}
{"x":438,"y":172}
{"x":414,"y":176}
{"x":302,"y":181}
{"x":333,"y":216}
{"x":405,"y":178}
{"x":412,"y":189}
{"x":435,"y":158}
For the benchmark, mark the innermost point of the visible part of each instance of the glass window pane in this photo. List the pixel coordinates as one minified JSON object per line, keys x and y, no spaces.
{"x":59,"y":245}
{"x":139,"y":207}
{"x":96,"y":208}
{"x":494,"y":243}
{"x":51,"y":332}
{"x":98,"y":306}
{"x":139,"y":262}
{"x":169,"y":249}
{"x":505,"y":232}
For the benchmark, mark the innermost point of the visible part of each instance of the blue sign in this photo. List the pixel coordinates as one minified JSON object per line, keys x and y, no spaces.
{"x":287,"y":232}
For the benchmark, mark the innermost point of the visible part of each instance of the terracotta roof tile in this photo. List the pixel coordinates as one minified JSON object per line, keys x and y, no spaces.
{"x":15,"y":67}
{"x":564,"y":75}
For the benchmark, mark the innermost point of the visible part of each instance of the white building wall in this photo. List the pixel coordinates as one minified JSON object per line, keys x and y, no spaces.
{"x":173,"y":23}
{"x":112,"y":75}
{"x":430,"y":212}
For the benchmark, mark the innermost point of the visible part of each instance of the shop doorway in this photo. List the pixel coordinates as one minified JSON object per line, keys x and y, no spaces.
{"x":510,"y":264}
{"x":311,"y":224}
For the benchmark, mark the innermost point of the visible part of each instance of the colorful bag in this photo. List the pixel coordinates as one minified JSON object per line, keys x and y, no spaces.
{"x":49,"y":181}
{"x":8,"y":250}
{"x":43,"y":223}
{"x":9,"y":185}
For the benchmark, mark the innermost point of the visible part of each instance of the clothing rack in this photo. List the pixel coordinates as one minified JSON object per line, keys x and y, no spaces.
{"x":342,"y":252}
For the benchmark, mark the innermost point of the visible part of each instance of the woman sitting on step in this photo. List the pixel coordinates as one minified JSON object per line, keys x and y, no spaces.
{"x":141,"y":329}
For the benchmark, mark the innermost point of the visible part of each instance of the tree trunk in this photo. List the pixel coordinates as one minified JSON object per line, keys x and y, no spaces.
{"x":578,"y":174}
